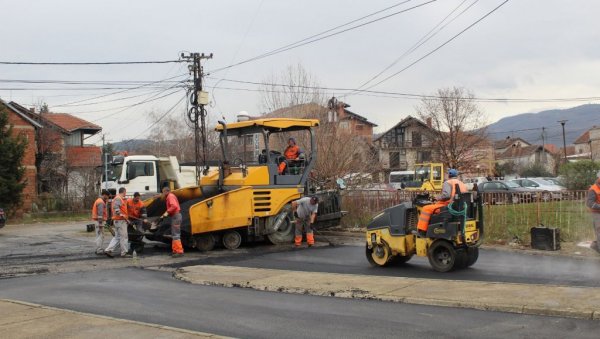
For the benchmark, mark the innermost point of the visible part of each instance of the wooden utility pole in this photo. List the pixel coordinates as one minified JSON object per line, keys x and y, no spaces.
{"x":197,"y":113}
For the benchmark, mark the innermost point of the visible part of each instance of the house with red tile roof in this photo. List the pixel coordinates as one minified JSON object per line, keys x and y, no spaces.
{"x":62,"y":157}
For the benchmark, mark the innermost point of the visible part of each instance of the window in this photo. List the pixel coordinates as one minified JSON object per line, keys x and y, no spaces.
{"x":416,"y":139}
{"x":359,"y":127}
{"x":394,"y":159}
{"x":140,"y":169}
{"x":423,"y":156}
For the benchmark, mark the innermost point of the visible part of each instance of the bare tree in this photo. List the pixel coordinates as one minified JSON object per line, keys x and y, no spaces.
{"x":292,"y":87}
{"x":340,"y":151}
{"x":458,"y":127}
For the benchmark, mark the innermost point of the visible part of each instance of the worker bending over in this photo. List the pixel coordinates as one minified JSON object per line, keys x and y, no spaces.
{"x":137,"y":212}
{"x":305,"y":210}
{"x":444,"y":199}
{"x":100,"y":215}
{"x":174,"y":211}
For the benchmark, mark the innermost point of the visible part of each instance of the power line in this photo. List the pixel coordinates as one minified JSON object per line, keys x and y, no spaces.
{"x":422,"y":40}
{"x":119,"y":92}
{"x":158,"y":120}
{"x":440,"y":46}
{"x":401,"y":94}
{"x":314,"y":38}
{"x":88,"y":63}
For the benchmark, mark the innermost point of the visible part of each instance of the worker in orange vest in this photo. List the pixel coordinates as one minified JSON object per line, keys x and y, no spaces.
{"x":292,"y":152}
{"x":444,"y":199}
{"x":120,"y":220}
{"x":136,"y":212}
{"x":174,"y":211}
{"x":100,"y":215}
{"x":593,"y":203}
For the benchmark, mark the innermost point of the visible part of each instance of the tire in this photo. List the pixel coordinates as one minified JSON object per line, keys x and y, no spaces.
{"x":204,"y":242}
{"x":472,"y":255}
{"x":379,"y":255}
{"x":285,"y":233}
{"x":442,"y":256}
{"x":232,"y":240}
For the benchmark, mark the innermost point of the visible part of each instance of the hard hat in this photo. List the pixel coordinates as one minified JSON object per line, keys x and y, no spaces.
{"x":452,"y":173}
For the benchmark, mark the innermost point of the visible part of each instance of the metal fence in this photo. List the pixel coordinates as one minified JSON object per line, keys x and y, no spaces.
{"x":508,"y":217}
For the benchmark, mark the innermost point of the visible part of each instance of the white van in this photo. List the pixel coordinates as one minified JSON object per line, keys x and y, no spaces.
{"x":398,"y":178}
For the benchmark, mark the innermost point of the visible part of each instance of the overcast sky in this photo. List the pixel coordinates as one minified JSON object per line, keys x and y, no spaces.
{"x":525,"y":49}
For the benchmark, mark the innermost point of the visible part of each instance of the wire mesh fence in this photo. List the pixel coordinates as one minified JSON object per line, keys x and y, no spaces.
{"x":507,"y":216}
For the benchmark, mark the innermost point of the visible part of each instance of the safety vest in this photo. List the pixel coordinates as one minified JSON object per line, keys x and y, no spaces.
{"x":596,"y":190}
{"x":95,"y":209}
{"x":122,"y":209}
{"x":453,"y":182}
{"x":292,"y":152}
{"x":134,"y":209}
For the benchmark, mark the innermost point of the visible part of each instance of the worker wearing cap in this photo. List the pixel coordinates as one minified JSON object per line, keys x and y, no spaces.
{"x":593,"y":203}
{"x":444,"y":199}
{"x":174,"y":211}
{"x":136,"y":211}
{"x":100,"y":216}
{"x":292,"y":152}
{"x":305,"y":210}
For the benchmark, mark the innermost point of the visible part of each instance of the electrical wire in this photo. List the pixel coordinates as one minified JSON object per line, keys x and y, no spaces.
{"x":88,"y":63}
{"x":421,"y":41}
{"x":440,"y":46}
{"x":320,"y":36}
{"x":158,"y":120}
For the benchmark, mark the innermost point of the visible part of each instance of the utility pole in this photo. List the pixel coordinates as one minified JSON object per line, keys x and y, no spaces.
{"x":197,"y":113}
{"x":105,"y":158}
{"x":563,"y":122}
{"x":543,"y":145}
{"x":591,"y":151}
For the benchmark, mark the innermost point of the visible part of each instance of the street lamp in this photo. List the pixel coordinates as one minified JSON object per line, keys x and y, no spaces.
{"x":562,"y":122}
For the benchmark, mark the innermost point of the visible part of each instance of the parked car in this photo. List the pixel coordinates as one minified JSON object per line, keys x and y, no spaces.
{"x":503,"y":192}
{"x":548,"y":190}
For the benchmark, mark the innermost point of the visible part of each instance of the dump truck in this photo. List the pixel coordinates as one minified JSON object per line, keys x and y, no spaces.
{"x":245,"y":198}
{"x":146,"y":174}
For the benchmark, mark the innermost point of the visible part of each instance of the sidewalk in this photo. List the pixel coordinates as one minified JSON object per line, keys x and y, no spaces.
{"x":547,"y":300}
{"x":25,"y":320}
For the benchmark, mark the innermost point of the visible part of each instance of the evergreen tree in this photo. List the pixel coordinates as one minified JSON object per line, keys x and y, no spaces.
{"x":12,"y":151}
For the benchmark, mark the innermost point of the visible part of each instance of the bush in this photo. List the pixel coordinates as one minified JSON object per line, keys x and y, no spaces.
{"x":534,"y":170}
{"x":579,"y":175}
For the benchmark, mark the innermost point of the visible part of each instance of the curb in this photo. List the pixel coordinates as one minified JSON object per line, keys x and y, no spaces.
{"x":162,"y":327}
{"x":355,"y":293}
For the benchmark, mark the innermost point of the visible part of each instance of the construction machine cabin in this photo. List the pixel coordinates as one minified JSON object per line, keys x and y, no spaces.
{"x":246,"y":198}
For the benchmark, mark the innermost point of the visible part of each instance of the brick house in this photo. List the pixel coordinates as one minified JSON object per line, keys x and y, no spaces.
{"x":65,"y":164}
{"x":350,"y":121}
{"x":24,"y":125}
{"x":408,"y":143}
{"x":524,"y":156}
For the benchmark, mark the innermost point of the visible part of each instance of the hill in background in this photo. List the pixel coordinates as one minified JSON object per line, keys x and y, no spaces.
{"x":528,"y":126}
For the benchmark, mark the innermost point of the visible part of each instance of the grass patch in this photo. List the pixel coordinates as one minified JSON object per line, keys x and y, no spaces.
{"x":506,"y":222}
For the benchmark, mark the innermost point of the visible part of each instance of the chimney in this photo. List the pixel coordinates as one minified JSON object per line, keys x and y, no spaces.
{"x":428,"y":121}
{"x":32,"y":110}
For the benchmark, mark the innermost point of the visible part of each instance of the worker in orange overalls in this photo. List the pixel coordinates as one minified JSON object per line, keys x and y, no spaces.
{"x":100,"y":215}
{"x":593,"y":203}
{"x":444,"y":199}
{"x":174,"y":211}
{"x":136,"y":211}
{"x":120,"y":220}
{"x":292,"y":152}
